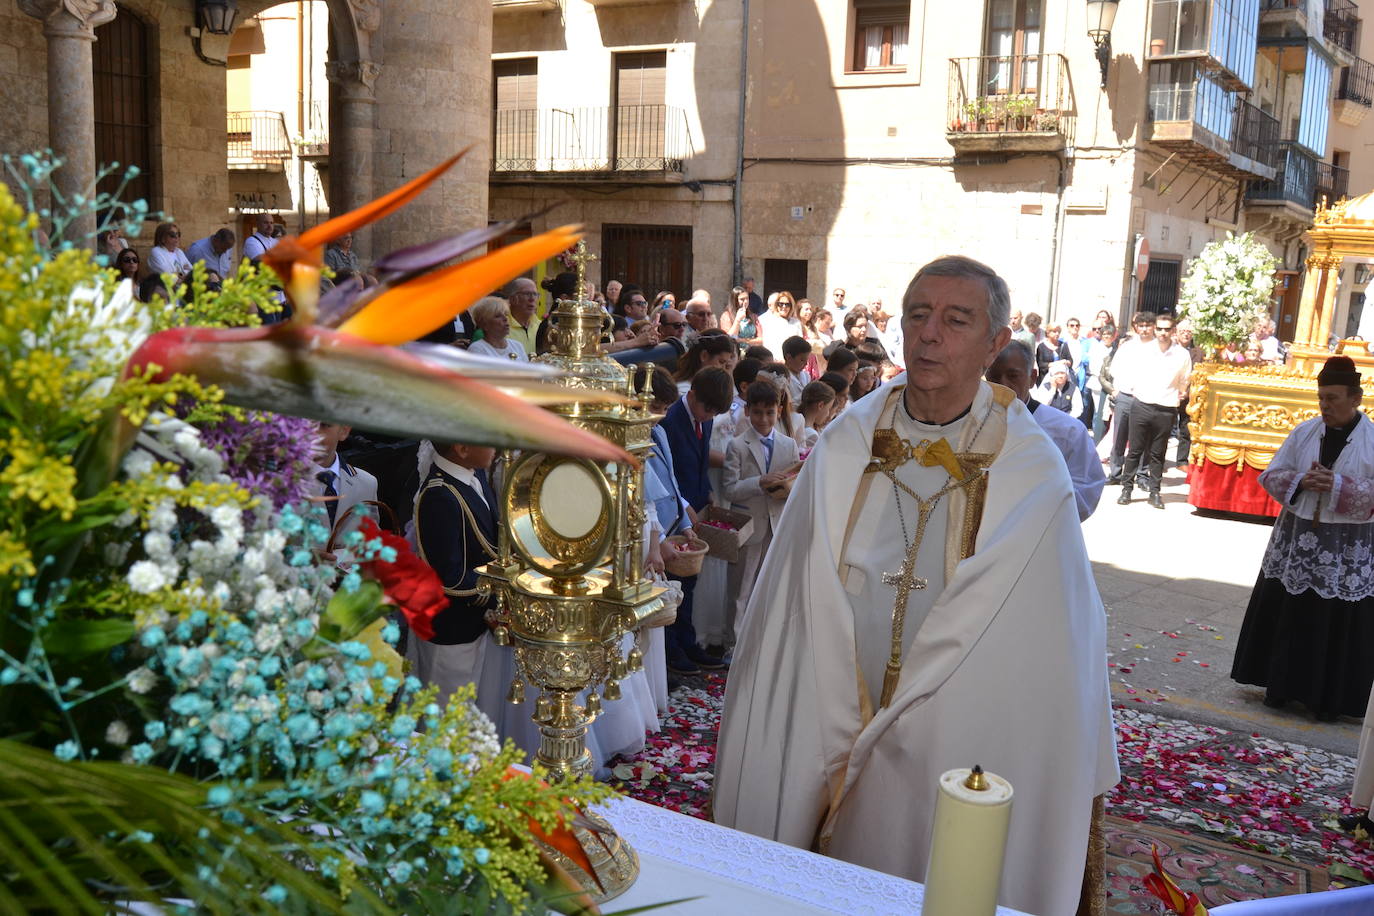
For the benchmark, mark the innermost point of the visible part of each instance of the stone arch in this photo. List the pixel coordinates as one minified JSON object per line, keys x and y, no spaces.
{"x":346,"y":24}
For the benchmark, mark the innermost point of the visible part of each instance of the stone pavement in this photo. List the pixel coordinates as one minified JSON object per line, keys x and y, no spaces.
{"x":1175,"y":584}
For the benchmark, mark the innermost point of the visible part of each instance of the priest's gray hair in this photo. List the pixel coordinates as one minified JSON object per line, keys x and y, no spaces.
{"x":954,"y":265}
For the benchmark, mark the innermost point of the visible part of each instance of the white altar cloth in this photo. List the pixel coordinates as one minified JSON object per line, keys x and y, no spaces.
{"x":730,"y":872}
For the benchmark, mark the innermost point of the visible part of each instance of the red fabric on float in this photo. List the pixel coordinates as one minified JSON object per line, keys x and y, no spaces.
{"x":1220,"y":488}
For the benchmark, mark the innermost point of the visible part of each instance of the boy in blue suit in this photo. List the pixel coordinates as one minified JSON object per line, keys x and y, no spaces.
{"x":687,"y":428}
{"x":456,"y":532}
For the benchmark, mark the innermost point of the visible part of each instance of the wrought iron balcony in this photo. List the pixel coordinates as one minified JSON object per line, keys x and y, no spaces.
{"x":1341,"y":23}
{"x":624,"y":141}
{"x":258,"y":141}
{"x":1356,"y":83}
{"x":1255,"y":136}
{"x":1295,"y":182}
{"x":1009,"y":103}
{"x":1333,"y":182}
{"x":1193,"y":117}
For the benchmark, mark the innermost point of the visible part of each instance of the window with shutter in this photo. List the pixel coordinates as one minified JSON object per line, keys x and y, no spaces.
{"x":881,"y":34}
{"x":641,"y":85}
{"x":515,"y":119}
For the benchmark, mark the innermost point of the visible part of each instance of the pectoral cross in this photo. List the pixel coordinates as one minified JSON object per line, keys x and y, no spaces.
{"x":904,"y":581}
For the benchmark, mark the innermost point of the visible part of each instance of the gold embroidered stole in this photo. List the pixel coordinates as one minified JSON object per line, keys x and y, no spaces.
{"x":965,"y":504}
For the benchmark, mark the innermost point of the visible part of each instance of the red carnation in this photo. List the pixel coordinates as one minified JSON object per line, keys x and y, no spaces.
{"x":408,"y":582}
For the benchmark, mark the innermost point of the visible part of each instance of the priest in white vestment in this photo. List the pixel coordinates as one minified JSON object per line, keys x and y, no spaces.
{"x":844,"y":704}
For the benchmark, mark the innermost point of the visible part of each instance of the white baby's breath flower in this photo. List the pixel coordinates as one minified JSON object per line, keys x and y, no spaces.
{"x":117,"y":733}
{"x":253,"y":560}
{"x":273,"y":541}
{"x":268,"y":638}
{"x":138,"y":463}
{"x":314,"y":698}
{"x":158,"y":545}
{"x":164,"y":516}
{"x":141,"y":680}
{"x":226,"y":517}
{"x":146,"y":577}
{"x":125,"y":519}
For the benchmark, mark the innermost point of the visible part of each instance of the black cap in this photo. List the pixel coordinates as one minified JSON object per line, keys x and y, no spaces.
{"x":1339,"y":370}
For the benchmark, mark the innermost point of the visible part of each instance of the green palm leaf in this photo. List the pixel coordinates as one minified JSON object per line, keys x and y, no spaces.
{"x":80,"y":837}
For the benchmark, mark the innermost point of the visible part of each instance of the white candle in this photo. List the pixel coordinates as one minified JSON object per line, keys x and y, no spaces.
{"x":967,"y":845}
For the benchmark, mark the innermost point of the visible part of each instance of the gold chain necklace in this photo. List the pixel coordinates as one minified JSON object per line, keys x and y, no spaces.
{"x":905,"y":580}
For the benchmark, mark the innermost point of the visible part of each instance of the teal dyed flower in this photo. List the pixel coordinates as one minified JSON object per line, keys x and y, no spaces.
{"x":67,"y":750}
{"x":219,"y":796}
{"x":275,"y":894}
{"x":481,"y":855}
{"x":371,"y":802}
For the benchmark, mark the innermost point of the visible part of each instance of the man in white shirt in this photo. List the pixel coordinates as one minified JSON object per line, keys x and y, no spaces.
{"x":1123,"y":390}
{"x":1014,"y":368}
{"x":1159,"y":376}
{"x":216,"y":252}
{"x":261,"y":241}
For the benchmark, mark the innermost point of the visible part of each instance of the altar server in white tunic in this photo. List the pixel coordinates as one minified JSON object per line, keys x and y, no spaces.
{"x":927,"y":604}
{"x":1013,"y":368}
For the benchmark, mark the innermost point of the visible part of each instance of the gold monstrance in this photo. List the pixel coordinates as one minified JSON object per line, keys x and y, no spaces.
{"x":569,"y":578}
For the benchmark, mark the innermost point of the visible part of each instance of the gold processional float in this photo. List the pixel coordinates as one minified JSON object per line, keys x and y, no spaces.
{"x":1240,"y":415}
{"x":569,"y":576}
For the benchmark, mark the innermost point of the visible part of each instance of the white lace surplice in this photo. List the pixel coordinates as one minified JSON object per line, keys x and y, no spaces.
{"x":1335,"y":556}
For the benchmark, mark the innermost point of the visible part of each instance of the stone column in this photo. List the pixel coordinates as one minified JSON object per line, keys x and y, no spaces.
{"x":351,"y":143}
{"x":69,"y":26}
{"x":433,"y":99}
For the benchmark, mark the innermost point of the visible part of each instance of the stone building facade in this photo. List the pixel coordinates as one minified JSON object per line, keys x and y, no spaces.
{"x":877,"y":134}
{"x":407,"y":89}
{"x":809,"y":144}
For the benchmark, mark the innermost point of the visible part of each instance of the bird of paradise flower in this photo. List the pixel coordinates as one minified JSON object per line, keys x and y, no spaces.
{"x":338,"y":359}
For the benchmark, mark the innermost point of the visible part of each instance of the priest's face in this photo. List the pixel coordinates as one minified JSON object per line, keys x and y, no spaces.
{"x":947,"y":344}
{"x":1338,"y":405}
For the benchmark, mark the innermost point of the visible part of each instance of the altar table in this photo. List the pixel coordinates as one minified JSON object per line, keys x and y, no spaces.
{"x":730,"y":872}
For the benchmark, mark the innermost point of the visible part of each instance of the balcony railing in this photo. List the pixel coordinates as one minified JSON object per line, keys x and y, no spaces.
{"x":1356,"y":83}
{"x":1333,"y":182}
{"x":258,"y":140}
{"x":1009,"y":102}
{"x":1255,"y":135}
{"x":1296,"y":181}
{"x":591,"y":141}
{"x":1341,"y":23}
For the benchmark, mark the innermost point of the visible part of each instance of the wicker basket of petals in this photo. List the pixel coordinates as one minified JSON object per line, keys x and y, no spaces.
{"x":687,"y":557}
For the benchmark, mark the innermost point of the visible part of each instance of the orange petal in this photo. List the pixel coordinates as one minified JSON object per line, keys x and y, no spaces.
{"x":375,"y":210}
{"x":413,"y":309}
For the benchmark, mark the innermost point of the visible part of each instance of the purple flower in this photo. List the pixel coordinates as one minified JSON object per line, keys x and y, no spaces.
{"x":270,"y":455}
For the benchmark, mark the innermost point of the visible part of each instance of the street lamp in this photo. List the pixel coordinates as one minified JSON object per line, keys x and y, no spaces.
{"x":1101,"y":15}
{"x":217,"y":16}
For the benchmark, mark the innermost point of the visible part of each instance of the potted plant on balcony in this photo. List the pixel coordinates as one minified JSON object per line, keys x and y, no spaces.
{"x":978,"y":111}
{"x":1018,"y":112}
{"x":1045,"y":121}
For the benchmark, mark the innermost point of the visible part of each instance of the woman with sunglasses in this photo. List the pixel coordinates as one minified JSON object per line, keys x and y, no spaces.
{"x":167,"y":256}
{"x":126,"y":263}
{"x":779,"y":322}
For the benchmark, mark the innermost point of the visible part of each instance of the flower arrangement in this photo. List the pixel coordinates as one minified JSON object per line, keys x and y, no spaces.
{"x":1227,"y":289}
{"x":165,"y":610}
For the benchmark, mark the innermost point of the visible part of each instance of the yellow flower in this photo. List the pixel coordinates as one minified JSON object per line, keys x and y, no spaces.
{"x":15,"y":559}
{"x":32,"y":474}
